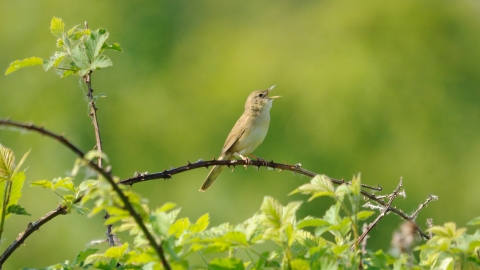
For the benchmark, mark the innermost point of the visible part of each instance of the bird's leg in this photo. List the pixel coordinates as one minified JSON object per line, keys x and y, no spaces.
{"x":246,"y":159}
{"x":263,"y":161}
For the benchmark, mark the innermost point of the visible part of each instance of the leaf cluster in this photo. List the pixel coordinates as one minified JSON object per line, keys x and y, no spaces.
{"x":82,"y":51}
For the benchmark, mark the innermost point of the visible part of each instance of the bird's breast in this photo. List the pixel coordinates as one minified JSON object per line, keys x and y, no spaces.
{"x":252,"y":137}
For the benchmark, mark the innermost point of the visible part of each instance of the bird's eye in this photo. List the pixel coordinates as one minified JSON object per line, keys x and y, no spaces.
{"x":261,"y":95}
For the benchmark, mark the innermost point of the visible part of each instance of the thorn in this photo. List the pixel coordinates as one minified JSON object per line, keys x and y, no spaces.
{"x":188,"y":162}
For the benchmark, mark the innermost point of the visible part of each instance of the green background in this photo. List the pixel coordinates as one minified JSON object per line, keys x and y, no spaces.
{"x":388,"y":89}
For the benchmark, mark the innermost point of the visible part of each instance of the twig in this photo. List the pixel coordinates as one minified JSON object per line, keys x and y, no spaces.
{"x":386,"y":209}
{"x":60,"y":210}
{"x":429,"y":199}
{"x":128,"y":206}
{"x":93,"y":114}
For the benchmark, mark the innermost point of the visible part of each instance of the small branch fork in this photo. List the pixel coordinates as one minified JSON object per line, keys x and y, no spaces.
{"x":128,"y":206}
{"x":167,"y":174}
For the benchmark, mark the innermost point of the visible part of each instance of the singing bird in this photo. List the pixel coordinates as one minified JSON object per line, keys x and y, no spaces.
{"x":247,"y":134}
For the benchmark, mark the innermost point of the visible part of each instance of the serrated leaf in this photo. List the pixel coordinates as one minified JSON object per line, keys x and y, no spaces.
{"x":84,"y":185}
{"x":116,"y":252}
{"x":93,"y":258}
{"x":95,"y":42}
{"x":82,"y":255}
{"x":101,"y":61}
{"x":42,"y":183}
{"x":238,"y":238}
{"x":201,"y":224}
{"x":7,"y":163}
{"x":179,"y":227}
{"x":64,"y":183}
{"x":18,"y":64}
{"x":311,"y":222}
{"x":79,"y":57}
{"x":17,"y":209}
{"x":272,"y":211}
{"x":289,"y":212}
{"x":362,"y":215}
{"x":166,"y":207}
{"x":17,"y":186}
{"x":115,"y":46}
{"x":57,"y":27}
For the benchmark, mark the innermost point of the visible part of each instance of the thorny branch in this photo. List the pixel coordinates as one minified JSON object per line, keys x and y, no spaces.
{"x":128,"y":206}
{"x":381,"y":215}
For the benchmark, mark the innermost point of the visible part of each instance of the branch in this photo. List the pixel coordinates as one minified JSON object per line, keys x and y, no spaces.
{"x":60,"y":210}
{"x":167,"y":174}
{"x":382,"y":214}
{"x":157,"y":247}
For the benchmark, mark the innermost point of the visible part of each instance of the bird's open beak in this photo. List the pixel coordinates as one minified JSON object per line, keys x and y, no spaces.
{"x":270,"y":89}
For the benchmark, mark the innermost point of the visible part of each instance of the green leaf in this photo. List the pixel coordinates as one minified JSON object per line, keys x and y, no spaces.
{"x":446,"y":264}
{"x":312,"y":222}
{"x":238,"y":238}
{"x":116,"y":252}
{"x":201,"y":224}
{"x":7,"y":163}
{"x":42,"y":183}
{"x":179,"y":227}
{"x":82,"y":255}
{"x":115,"y":46}
{"x":79,"y":57}
{"x":84,"y":185}
{"x":166,"y":207}
{"x":362,"y":215}
{"x":57,"y":27}
{"x":17,"y":209}
{"x":226,"y":263}
{"x":64,"y":183}
{"x":95,"y":42}
{"x":299,"y":264}
{"x":101,"y":61}
{"x":18,"y":64}
{"x":272,"y":211}
{"x":473,"y":222}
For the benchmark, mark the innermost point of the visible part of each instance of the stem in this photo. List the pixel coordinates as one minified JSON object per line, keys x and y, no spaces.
{"x":98,"y":139}
{"x":6,"y":198}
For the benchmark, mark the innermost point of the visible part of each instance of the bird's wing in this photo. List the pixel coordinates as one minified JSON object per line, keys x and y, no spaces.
{"x":234,"y":134}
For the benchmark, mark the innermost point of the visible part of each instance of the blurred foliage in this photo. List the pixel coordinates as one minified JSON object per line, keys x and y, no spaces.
{"x":388,"y":89}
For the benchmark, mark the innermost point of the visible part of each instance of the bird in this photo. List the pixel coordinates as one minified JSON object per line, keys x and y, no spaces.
{"x":247,"y":134}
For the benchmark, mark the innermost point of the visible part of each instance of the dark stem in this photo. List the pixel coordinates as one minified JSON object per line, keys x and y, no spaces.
{"x":386,"y":209}
{"x":60,"y":210}
{"x":98,"y":139}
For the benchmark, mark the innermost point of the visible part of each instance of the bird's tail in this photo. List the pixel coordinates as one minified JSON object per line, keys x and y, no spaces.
{"x":212,"y":175}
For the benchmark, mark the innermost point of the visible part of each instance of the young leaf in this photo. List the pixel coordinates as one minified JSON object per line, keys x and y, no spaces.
{"x":116,"y":252}
{"x":115,"y":46}
{"x":272,"y":211}
{"x":82,"y":255}
{"x":57,"y":27}
{"x":226,"y":263}
{"x":42,"y":183}
{"x":18,"y":64}
{"x":201,"y":224}
{"x":17,"y":209}
{"x":7,"y":163}
{"x":101,"y":61}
